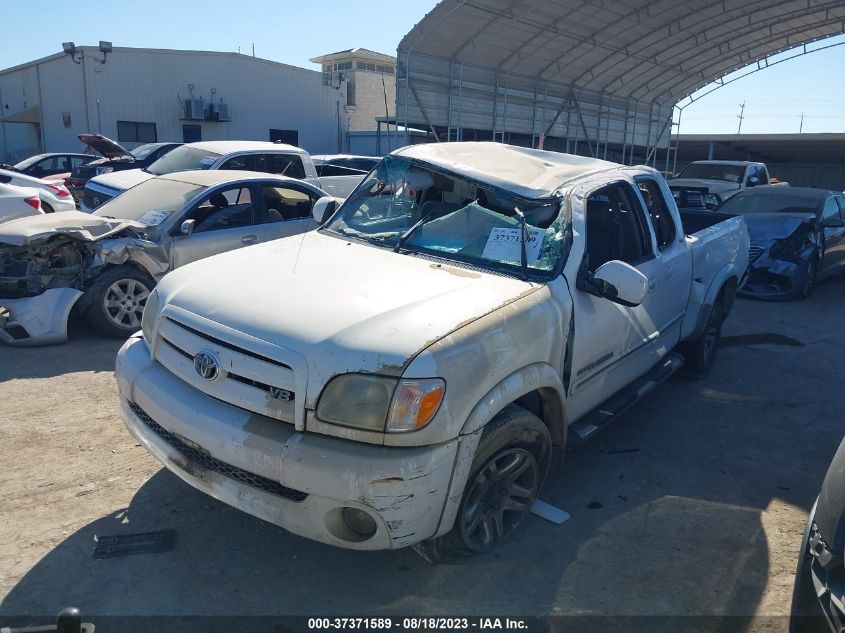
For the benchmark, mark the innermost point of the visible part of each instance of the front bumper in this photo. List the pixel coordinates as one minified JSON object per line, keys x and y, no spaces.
{"x":774,"y":279}
{"x":38,"y":320}
{"x":264,"y":467}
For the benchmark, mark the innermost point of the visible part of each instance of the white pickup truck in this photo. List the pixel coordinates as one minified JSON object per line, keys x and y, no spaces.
{"x":257,"y":156}
{"x":408,"y":373}
{"x":705,"y":184}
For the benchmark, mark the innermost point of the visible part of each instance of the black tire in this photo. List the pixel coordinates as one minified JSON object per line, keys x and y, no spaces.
{"x":115,"y":315}
{"x":507,"y":473}
{"x":700,"y":353}
{"x":812,"y":276}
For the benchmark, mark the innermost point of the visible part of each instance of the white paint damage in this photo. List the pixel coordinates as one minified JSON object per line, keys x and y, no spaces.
{"x":321,"y":305}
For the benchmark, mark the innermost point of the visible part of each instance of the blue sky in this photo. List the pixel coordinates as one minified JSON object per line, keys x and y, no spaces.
{"x":292,"y":32}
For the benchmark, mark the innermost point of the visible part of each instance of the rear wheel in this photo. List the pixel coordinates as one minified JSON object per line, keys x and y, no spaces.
{"x":117,"y":301}
{"x":700,"y":353}
{"x":508,"y":470}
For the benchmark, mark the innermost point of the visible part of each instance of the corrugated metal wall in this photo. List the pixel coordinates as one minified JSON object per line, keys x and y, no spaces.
{"x":146,"y":86}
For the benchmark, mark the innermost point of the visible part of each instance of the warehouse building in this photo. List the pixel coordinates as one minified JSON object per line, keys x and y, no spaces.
{"x":139,"y":95}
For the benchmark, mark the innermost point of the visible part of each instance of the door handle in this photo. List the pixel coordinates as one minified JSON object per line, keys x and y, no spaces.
{"x":249,"y":239}
{"x":652,"y":285}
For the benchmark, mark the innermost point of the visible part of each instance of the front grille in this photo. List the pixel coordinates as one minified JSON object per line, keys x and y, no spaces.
{"x":274,"y":391}
{"x":754,"y":252}
{"x":222,"y":468}
{"x":92,"y":199}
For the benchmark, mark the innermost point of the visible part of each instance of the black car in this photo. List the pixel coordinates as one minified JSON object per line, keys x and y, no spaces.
{"x":797,"y":237}
{"x":818,"y":598}
{"x":115,"y":158}
{"x":45,"y":165}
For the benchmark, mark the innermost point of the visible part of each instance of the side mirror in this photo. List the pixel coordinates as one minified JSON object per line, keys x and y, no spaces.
{"x":187,"y":228}
{"x":621,"y":283}
{"x":833,"y":223}
{"x":323,"y":208}
{"x":753,"y":181}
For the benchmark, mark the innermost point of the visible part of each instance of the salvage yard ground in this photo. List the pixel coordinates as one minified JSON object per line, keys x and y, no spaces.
{"x":693,"y":504}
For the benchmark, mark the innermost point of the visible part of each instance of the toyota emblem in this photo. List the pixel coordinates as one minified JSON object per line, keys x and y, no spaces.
{"x":207,"y":365}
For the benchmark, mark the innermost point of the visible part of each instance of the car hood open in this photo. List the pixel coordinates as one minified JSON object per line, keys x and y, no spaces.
{"x":764,"y":228}
{"x":343,"y":306}
{"x":75,"y":224}
{"x":105,"y":146}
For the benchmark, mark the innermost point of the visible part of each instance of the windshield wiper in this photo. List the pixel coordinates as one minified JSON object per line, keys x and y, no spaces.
{"x":523,"y":255}
{"x":404,"y":237}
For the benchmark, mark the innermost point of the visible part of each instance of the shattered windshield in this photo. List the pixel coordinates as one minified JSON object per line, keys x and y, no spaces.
{"x":183,"y":158}
{"x":150,"y":202}
{"x":410,"y":207}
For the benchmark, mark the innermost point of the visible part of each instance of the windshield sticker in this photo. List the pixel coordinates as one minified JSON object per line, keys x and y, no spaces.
{"x":207,"y":160}
{"x":154,"y":218}
{"x":504,"y":245}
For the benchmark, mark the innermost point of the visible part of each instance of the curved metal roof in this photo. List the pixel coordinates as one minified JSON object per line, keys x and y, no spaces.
{"x":651,"y":50}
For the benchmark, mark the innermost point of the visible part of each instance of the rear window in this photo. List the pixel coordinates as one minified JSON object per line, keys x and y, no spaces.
{"x":183,"y":158}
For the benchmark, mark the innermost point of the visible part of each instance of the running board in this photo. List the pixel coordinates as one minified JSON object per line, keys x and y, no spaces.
{"x":616,"y":405}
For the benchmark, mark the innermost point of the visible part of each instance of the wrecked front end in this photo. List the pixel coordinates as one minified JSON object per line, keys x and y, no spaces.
{"x":784,"y":268}
{"x":42,"y":281}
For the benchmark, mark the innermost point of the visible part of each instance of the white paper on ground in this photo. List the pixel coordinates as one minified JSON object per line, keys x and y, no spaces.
{"x":549,"y":512}
{"x":504,"y":245}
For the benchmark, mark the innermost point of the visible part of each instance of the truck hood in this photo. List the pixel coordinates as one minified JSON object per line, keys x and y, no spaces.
{"x":343,"y":306}
{"x":75,"y":224}
{"x":104,"y":145}
{"x":122,"y":180}
{"x":764,"y":228}
{"x":713,"y":186}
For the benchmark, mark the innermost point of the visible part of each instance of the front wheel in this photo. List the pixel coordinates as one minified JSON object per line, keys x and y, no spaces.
{"x":812,"y":275}
{"x":508,"y":470}
{"x":117,"y":301}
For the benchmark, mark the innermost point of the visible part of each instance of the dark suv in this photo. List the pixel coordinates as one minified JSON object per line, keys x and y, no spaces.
{"x":115,"y":158}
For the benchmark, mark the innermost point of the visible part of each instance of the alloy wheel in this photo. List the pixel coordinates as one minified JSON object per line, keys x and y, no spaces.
{"x":124,"y":302}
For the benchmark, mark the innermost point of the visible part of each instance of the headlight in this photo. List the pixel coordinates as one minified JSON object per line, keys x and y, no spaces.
{"x":358,"y":400}
{"x":711,"y":198}
{"x":378,"y":403}
{"x":149,"y":316}
{"x":415,"y":403}
{"x":104,"y":170}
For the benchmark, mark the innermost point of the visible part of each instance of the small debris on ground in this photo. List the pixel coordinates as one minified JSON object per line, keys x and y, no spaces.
{"x":618,"y":451}
{"x":110,"y":545}
{"x":595,"y":505}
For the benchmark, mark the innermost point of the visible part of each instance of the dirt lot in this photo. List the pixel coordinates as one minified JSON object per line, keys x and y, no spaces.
{"x":703,"y":494}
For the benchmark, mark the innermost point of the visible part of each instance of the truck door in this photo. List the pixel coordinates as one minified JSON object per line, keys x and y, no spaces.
{"x":615,"y":344}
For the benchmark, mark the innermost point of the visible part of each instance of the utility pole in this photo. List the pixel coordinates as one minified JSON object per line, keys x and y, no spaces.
{"x":740,"y":116}
{"x":801,"y":127}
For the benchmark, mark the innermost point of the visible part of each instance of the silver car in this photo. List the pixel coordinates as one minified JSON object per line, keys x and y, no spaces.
{"x":105,"y":264}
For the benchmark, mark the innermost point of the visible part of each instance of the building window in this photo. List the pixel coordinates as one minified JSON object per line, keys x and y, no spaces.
{"x":343,"y":66}
{"x":289,"y":137}
{"x":134,"y":132}
{"x":365,"y":66}
{"x":191,"y":133}
{"x":384,"y":69}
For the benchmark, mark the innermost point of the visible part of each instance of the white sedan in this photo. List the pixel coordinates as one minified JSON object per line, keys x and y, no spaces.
{"x":18,"y":202}
{"x":53,"y":193}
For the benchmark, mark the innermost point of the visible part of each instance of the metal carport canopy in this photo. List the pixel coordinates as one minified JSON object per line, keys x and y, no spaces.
{"x":604,"y":71}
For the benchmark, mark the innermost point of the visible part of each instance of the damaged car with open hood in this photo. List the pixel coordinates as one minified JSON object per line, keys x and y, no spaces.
{"x":797,"y":238}
{"x":105,"y":264}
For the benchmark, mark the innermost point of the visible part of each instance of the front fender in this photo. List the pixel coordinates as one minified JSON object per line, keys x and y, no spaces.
{"x":535,"y":377}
